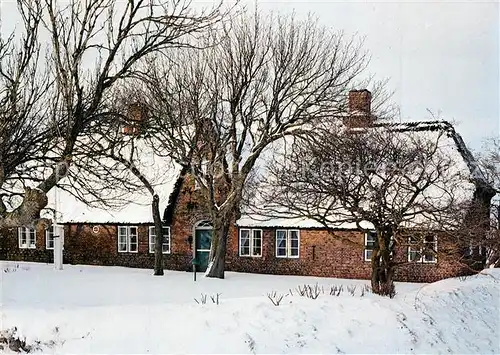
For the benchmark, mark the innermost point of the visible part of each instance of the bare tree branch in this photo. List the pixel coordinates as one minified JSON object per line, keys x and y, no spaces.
{"x":260,"y":79}
{"x":50,"y":106}
{"x":395,"y":181}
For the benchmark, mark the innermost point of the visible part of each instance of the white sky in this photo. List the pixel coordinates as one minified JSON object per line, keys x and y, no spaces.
{"x":442,"y":56}
{"x":439,"y":55}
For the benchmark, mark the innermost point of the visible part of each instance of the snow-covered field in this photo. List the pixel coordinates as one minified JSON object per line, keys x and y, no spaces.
{"x":84,"y":309}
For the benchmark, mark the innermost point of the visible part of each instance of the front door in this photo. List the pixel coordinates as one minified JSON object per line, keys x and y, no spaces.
{"x":203,"y":240}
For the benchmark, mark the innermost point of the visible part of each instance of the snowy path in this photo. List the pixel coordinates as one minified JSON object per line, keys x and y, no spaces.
{"x":118,"y":310}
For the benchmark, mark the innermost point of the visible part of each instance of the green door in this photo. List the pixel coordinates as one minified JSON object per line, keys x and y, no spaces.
{"x":203,"y":241}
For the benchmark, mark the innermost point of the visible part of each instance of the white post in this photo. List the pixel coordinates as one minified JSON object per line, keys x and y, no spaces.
{"x":58,"y":247}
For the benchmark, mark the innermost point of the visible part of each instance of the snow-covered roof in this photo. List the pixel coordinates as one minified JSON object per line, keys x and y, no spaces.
{"x":137,"y":210}
{"x":450,"y":145}
{"x":123,"y":204}
{"x":135,"y":206}
{"x":259,"y":221}
{"x":460,"y":150}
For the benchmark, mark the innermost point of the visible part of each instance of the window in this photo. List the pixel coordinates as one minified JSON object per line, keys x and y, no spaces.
{"x":165,"y":247}
{"x":27,"y":237}
{"x":424,"y":254}
{"x":127,"y":239}
{"x":474,"y":250}
{"x":49,"y":238}
{"x":250,"y":242}
{"x":370,"y":243}
{"x":287,"y":243}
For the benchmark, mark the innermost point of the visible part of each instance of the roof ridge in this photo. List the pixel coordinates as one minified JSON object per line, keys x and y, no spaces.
{"x":443,"y":123}
{"x":415,"y":126}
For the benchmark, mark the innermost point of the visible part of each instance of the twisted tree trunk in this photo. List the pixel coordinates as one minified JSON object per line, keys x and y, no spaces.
{"x":217,"y":257}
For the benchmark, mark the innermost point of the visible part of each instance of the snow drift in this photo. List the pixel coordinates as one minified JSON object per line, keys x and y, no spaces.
{"x":85,"y":309}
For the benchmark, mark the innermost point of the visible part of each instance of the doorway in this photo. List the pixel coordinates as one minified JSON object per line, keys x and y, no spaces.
{"x":202,"y":240}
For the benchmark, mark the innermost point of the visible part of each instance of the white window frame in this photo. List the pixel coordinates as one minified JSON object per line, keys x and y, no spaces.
{"x":127,"y":239}
{"x":421,"y":251}
{"x":288,"y":244}
{"x":151,"y":242}
{"x":49,"y":235}
{"x":366,"y":245}
{"x":28,"y":232}
{"x":251,"y":242}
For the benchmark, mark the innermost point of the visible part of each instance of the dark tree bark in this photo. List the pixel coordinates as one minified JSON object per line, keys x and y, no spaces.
{"x":219,"y":246}
{"x":383,"y":267}
{"x":158,"y":269}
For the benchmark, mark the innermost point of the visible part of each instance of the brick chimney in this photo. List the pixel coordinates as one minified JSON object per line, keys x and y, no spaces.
{"x":359,"y":109}
{"x":136,"y":115}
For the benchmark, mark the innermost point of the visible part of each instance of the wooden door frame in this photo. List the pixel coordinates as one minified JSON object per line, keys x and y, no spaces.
{"x":200,"y":225}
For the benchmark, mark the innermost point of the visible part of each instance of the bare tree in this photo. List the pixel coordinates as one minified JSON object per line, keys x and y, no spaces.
{"x":492,"y":244}
{"x":93,"y":46}
{"x":262,"y":79}
{"x":489,"y":165}
{"x":387,"y":178}
{"x":26,"y":120}
{"x":489,"y":162}
{"x":119,"y":161}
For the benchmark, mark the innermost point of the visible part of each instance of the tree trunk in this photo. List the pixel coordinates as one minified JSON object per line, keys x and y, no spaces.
{"x":35,"y":200}
{"x":158,"y":269}
{"x":28,"y":212}
{"x":383,"y":267}
{"x":218,"y":249}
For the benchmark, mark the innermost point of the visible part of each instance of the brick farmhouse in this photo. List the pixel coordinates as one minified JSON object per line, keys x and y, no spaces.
{"x":125,"y":236}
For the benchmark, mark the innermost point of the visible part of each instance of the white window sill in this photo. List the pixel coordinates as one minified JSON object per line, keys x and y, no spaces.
{"x":422,"y":262}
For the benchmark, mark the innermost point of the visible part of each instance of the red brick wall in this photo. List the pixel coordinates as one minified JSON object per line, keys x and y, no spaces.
{"x":189,"y":210}
{"x":340,"y":254}
{"x":320,"y":254}
{"x":83,"y":246}
{"x":448,"y":264}
{"x":9,"y":247}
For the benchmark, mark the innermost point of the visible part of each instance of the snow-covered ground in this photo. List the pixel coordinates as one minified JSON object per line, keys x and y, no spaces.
{"x":84,"y":309}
